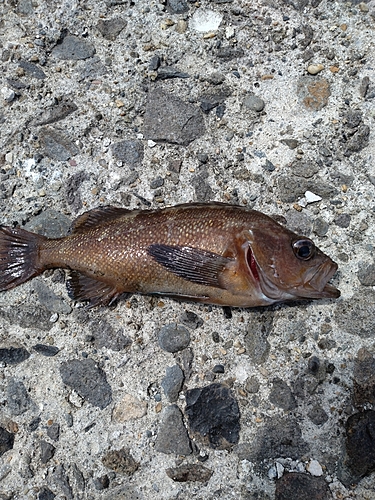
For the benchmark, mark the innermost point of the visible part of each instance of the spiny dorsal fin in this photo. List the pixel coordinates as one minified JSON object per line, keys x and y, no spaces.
{"x":192,"y":264}
{"x":98,"y":216}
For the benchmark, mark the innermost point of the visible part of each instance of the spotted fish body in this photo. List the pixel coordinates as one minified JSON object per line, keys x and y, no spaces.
{"x":212,"y":253}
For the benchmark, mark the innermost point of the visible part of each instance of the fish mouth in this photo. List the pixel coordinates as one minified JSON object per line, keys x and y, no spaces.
{"x":320,"y":288}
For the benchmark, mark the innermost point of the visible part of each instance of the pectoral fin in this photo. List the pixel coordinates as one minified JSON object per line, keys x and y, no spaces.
{"x":192,"y":264}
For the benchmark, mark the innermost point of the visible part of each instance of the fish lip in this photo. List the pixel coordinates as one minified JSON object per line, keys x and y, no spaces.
{"x":319,"y":281}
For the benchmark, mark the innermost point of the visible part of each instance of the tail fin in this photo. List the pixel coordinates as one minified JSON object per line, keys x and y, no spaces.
{"x":19,"y":256}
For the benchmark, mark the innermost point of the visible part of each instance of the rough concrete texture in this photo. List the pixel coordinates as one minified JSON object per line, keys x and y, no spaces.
{"x":151,"y":103}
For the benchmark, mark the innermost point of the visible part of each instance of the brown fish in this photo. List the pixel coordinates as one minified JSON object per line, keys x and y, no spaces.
{"x":212,"y":253}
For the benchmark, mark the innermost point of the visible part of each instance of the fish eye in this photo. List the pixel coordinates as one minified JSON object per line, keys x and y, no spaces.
{"x":304,"y":249}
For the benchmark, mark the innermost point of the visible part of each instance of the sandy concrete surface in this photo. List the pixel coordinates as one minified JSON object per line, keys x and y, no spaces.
{"x":145,"y":104}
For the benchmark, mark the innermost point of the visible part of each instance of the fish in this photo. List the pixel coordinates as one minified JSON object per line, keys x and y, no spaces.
{"x":213,"y":253}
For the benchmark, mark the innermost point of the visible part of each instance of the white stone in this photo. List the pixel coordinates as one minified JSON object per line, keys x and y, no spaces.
{"x":205,"y":20}
{"x":229,"y":32}
{"x":312,"y":197}
{"x":302,"y":202}
{"x":315,"y":468}
{"x":280,"y":470}
{"x":8,"y":94}
{"x":9,"y":158}
{"x":151,"y":144}
{"x":272,"y":472}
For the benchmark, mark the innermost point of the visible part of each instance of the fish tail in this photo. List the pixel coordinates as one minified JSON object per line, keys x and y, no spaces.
{"x":19,"y":256}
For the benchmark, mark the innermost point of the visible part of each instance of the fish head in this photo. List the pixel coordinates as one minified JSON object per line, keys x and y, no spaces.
{"x":289,"y":266}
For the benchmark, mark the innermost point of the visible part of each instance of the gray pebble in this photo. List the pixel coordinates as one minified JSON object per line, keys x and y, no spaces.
{"x":121,"y":461}
{"x":27,"y":317}
{"x":177,"y":6}
{"x":88,"y":380}
{"x":104,"y":335}
{"x":111,"y":28}
{"x":18,"y":399}
{"x":317,"y":415}
{"x":129,"y":151}
{"x":49,"y":299}
{"x":13,"y":355}
{"x":73,"y":48}
{"x":60,"y":480}
{"x":46,"y":350}
{"x":191,"y":320}
{"x":47,"y":450}
{"x":173,"y":337}
{"x":281,"y":395}
{"x":55,"y":113}
{"x":6,"y":441}
{"x":50,"y":223}
{"x":254,"y":103}
{"x":172,"y":382}
{"x":366,"y":274}
{"x":291,"y":143}
{"x":256,"y":343}
{"x":304,"y":169}
{"x":320,"y":227}
{"x":56,"y":145}
{"x":53,"y":431}
{"x":172,"y":436}
{"x":252,"y":385}
{"x":32,"y":69}
{"x":157,"y":182}
{"x":342,"y":220}
{"x":46,"y":494}
{"x":202,"y":189}
{"x":169,"y":119}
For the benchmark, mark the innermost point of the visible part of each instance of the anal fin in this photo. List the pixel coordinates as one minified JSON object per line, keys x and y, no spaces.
{"x":83,"y":288}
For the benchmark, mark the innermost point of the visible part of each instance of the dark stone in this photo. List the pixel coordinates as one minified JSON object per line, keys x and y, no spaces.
{"x":50,"y":223}
{"x":61,"y":481}
{"x":254,"y":103}
{"x":25,"y":7}
{"x":191,"y":320}
{"x":317,"y":415}
{"x":53,"y":431}
{"x":172,"y":436}
{"x":255,"y":340}
{"x":279,"y":437}
{"x":357,"y":316}
{"x":101,"y":483}
{"x":366,"y":274}
{"x":177,"y":6}
{"x":32,"y":69}
{"x":299,"y":223}
{"x":364,"y":379}
{"x":189,"y":472}
{"x":88,"y":380}
{"x":172,"y":382}
{"x":359,"y":140}
{"x":55,"y":113}
{"x":299,"y":486}
{"x":359,"y":457}
{"x":92,"y":69}
{"x":56,"y":145}
{"x":6,"y":441}
{"x":291,"y":143}
{"x":252,"y":385}
{"x":72,"y":189}
{"x":168,"y":72}
{"x":73,"y":48}
{"x":218,"y":369}
{"x":129,"y":152}
{"x":173,"y":337}
{"x":342,"y":220}
{"x":13,"y":355}
{"x":46,"y":350}
{"x":47,"y":451}
{"x":27,"y":317}
{"x":202,"y":189}
{"x":18,"y":398}
{"x":281,"y":395}
{"x":46,"y":494}
{"x":121,"y":461}
{"x":291,"y":189}
{"x":111,"y":28}
{"x":227,"y":53}
{"x":104,"y":335}
{"x":49,"y":299}
{"x":34,"y":424}
{"x":320,"y":227}
{"x":154,"y":63}
{"x":169,"y":119}
{"x":78,"y":476}
{"x":304,"y":169}
{"x":213,"y":415}
{"x":269,"y":166}
{"x":157,"y":182}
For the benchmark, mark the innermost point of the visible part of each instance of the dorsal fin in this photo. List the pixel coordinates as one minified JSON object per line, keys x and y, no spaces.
{"x":98,"y":216}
